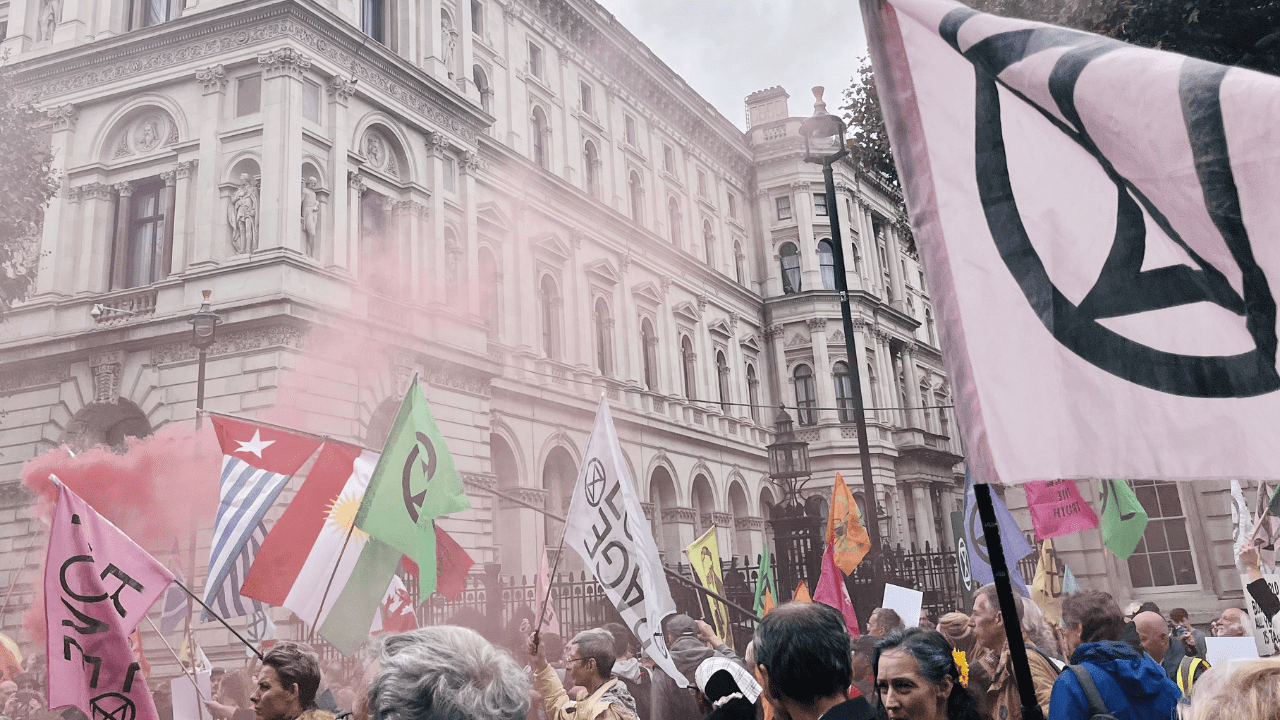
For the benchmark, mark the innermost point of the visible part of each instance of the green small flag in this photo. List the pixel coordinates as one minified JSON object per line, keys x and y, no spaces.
{"x":414,"y":482}
{"x":764,"y":580}
{"x":1123,"y":518}
{"x":1274,"y":505}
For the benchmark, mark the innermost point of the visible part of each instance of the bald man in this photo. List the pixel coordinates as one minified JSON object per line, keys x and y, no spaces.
{"x":1231,"y":623}
{"x":1153,"y":632}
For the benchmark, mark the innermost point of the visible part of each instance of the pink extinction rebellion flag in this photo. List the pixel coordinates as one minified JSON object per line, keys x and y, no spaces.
{"x":1098,"y":225}
{"x":98,"y":586}
{"x":832,"y":591}
{"x":1058,"y":509}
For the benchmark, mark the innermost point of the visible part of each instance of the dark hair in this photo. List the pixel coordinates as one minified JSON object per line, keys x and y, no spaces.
{"x":1149,"y":606}
{"x":888,"y":618}
{"x":934,"y":662}
{"x":720,"y":684}
{"x":805,"y":647}
{"x":1178,"y":614}
{"x":1096,"y":614}
{"x":623,"y":640}
{"x":296,"y":664}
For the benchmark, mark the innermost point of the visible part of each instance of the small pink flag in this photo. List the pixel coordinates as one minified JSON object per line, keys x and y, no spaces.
{"x":98,"y":586}
{"x":832,"y":591}
{"x":1058,"y":509}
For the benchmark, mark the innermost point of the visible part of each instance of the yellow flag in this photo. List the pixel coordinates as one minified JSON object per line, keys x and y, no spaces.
{"x":1046,"y":587}
{"x":802,"y":593}
{"x":845,"y":534}
{"x":704,"y":556}
{"x":767,"y":604}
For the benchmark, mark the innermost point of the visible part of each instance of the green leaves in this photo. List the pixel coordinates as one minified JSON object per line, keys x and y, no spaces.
{"x":27,"y":182}
{"x":867,"y":132}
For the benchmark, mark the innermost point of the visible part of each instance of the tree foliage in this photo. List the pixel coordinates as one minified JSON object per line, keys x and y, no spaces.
{"x":867,"y":133}
{"x":1230,"y":32}
{"x":27,"y":181}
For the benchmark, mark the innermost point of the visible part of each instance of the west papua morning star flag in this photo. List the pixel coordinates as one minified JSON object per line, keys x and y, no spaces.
{"x":1098,"y":225}
{"x":607,"y":527}
{"x":98,"y":585}
{"x":256,"y":465}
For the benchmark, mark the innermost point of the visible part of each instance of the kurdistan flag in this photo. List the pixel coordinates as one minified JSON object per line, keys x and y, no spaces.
{"x":414,"y":482}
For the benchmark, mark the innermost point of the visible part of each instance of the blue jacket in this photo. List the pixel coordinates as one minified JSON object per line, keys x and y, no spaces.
{"x":1133,"y":686}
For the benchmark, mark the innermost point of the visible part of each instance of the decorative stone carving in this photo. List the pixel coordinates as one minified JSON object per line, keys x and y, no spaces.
{"x":648,"y":510}
{"x":679,"y":515}
{"x":242,"y":215}
{"x":437,"y":143}
{"x":816,"y":323}
{"x":212,"y":79}
{"x":536,"y":497}
{"x":774,"y":332}
{"x":449,"y":43}
{"x":748,"y":523}
{"x":45,"y":374}
{"x":231,"y":342}
{"x":63,"y":117}
{"x":402,"y":372}
{"x":721,"y":519}
{"x":310,"y":214}
{"x":97,"y":191}
{"x":283,"y":62}
{"x":484,"y":481}
{"x":123,"y":189}
{"x":342,"y":88}
{"x":355,"y":182}
{"x":798,"y":340}
{"x":378,"y":153}
{"x":74,"y":194}
{"x":47,"y":21}
{"x":470,"y":162}
{"x":185,"y":168}
{"x":106,"y":369}
{"x":666,"y":283}
{"x":576,"y":236}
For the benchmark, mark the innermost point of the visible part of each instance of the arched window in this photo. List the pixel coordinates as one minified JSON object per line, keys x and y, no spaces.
{"x":739,"y":263}
{"x":722,"y":372}
{"x":688,"y":361}
{"x":827,"y":262}
{"x":673,"y":221}
{"x":477,"y":17}
{"x":591,"y":169}
{"x":709,"y":243}
{"x":844,"y":391}
{"x":806,"y":395}
{"x":540,"y":131}
{"x":790,"y":257}
{"x":549,"y":297}
{"x":488,"y":271}
{"x":650,"y":348}
{"x":753,"y":392}
{"x":481,"y":80}
{"x":604,"y":338}
{"x":926,"y":412}
{"x":637,"y":197}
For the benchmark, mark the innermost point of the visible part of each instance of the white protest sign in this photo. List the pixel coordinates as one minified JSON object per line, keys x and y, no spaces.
{"x":1222,"y":649}
{"x":904,"y":601}
{"x":1264,"y":631}
{"x":187,"y":705}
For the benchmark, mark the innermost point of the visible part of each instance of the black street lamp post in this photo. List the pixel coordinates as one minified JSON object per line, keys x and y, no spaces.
{"x":796,"y":533}
{"x":824,"y":144}
{"x":204,"y":326}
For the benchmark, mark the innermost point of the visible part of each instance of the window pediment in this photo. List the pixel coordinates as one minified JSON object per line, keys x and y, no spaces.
{"x":647,"y":293}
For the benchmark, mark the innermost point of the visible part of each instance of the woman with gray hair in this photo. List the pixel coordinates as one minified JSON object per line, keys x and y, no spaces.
{"x":446,"y":673}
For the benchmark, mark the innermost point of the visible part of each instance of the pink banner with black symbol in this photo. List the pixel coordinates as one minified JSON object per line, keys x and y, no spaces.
{"x":98,"y":586}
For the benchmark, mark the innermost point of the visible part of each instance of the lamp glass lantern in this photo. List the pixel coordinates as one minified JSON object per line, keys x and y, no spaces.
{"x":823,"y":133}
{"x":204,"y":324}
{"x":788,"y":456}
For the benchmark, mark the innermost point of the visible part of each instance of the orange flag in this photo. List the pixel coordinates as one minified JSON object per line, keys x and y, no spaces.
{"x":767,"y":604}
{"x":802,"y":593}
{"x":845,"y":534}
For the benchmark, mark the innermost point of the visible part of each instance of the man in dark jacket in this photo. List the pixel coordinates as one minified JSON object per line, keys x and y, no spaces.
{"x":690,"y":642}
{"x":1132,"y":685}
{"x":802,"y":652}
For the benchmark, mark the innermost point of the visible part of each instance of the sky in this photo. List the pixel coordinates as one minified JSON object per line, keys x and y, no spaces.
{"x":728,"y":49}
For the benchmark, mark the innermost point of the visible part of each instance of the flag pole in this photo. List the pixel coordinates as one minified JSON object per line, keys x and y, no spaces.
{"x":1008,"y":604}
{"x":218,"y":617}
{"x":537,"y":632}
{"x":189,"y":674}
{"x":312,"y":636}
{"x":670,"y":573}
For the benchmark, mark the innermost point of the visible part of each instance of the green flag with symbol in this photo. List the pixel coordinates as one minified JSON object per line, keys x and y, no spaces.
{"x":764,"y":580}
{"x":1123,"y":518}
{"x":413,"y":483}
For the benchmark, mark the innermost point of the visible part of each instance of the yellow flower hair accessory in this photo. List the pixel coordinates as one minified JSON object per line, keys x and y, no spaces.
{"x":962,"y":664}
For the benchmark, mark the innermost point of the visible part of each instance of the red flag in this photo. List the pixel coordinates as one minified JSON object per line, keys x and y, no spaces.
{"x":397,"y":608}
{"x":802,"y":593}
{"x":452,"y":565}
{"x":832,"y":591}
{"x":1058,"y":509}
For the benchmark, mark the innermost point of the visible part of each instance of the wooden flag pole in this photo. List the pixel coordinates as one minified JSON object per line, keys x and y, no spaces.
{"x":537,"y":632}
{"x":332,"y":575}
{"x":189,"y":673}
{"x":1008,"y":603}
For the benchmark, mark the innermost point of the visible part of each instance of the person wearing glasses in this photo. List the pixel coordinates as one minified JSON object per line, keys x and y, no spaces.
{"x":588,"y":661}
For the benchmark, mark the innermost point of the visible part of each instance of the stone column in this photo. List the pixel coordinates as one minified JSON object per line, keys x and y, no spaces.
{"x":281,"y":189}
{"x":524,"y":286}
{"x":55,"y":261}
{"x":465,"y":50}
{"x":802,"y":210}
{"x":679,"y":525}
{"x":822,"y":375}
{"x":434,"y":275}
{"x":925,"y":531}
{"x":356,"y":188}
{"x":895,"y":267}
{"x":776,"y":338}
{"x":577,"y":344}
{"x":888,"y":381}
{"x":337,"y":254}
{"x":915,"y":415}
{"x":468,"y":166}
{"x":182,"y":216}
{"x":75,"y":23}
{"x":209,"y":243}
{"x":860,"y":334}
{"x":671,"y":360}
{"x":627,"y":346}
{"x":171,"y":237}
{"x":97,"y":201}
{"x":120,"y":255}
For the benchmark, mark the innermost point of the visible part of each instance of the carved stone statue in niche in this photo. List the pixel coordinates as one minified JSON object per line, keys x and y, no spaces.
{"x":242,"y":215}
{"x":48,"y":21}
{"x":449,"y":41}
{"x":373,"y":150}
{"x":310,"y":214}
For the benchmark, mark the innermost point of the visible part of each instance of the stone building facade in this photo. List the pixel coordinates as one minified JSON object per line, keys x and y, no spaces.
{"x":514,"y":200}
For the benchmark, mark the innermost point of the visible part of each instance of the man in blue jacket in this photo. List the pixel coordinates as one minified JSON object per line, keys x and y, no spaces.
{"x":1132,"y":685}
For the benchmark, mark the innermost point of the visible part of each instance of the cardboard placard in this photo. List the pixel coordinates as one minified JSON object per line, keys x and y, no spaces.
{"x":905,"y":601}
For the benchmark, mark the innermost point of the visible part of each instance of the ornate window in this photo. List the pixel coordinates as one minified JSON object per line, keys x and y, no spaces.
{"x":481,"y":80}
{"x":371,"y":19}
{"x":926,"y":412}
{"x":806,"y":395}
{"x":844,"y":391}
{"x":379,"y":260}
{"x":827,"y":263}
{"x":790,"y":258}
{"x":753,"y":392}
{"x":629,"y":131}
{"x":783,"y":205}
{"x":1163,"y":557}
{"x":722,"y":372}
{"x":142,"y":13}
{"x":688,"y":361}
{"x":668,"y":159}
{"x":604,"y":338}
{"x":649,"y":341}
{"x":549,"y":303}
{"x":586,"y":99}
{"x":820,"y":204}
{"x":477,"y":17}
{"x":143,"y":242}
{"x":591,"y":169}
{"x":535,"y":60}
{"x":540,"y":132}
